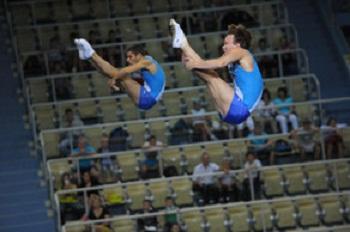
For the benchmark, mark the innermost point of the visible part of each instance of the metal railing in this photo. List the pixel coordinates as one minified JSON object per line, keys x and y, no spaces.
{"x":332,"y":163}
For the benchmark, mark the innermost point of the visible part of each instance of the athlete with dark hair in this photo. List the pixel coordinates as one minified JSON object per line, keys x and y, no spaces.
{"x":144,"y":96}
{"x":234,"y":104}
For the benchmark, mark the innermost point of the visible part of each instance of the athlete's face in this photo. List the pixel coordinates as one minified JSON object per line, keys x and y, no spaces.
{"x":229,"y":43}
{"x":132,"y":58}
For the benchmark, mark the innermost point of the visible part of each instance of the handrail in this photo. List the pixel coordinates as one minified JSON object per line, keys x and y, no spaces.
{"x":322,"y":101}
{"x":172,"y":90}
{"x":184,"y":12}
{"x":203,"y":208}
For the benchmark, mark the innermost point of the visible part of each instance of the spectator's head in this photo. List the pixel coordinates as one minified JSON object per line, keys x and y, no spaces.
{"x":135,"y":53}
{"x":266,"y":96}
{"x":95,"y":201}
{"x":94,"y":173}
{"x":226,"y":165}
{"x":306,"y":123}
{"x":104,"y":142}
{"x":86,"y":177}
{"x":152,"y":140}
{"x":147,"y":205}
{"x":250,"y":156}
{"x":169,"y":202}
{"x":205,"y":158}
{"x":175,"y":228}
{"x":196,"y":104}
{"x":282,"y":92}
{"x":332,"y":121}
{"x":65,"y":180}
{"x":69,"y":115}
{"x":82,"y":141}
{"x":237,"y":36}
{"x":262,"y":44}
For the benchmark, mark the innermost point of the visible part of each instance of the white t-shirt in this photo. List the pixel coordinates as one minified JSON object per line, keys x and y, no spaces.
{"x":253,"y":168}
{"x":262,"y":111}
{"x":200,"y":119}
{"x":201,"y":169}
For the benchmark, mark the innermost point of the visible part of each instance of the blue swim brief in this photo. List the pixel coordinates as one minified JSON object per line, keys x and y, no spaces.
{"x":146,"y":100}
{"x":237,"y":113}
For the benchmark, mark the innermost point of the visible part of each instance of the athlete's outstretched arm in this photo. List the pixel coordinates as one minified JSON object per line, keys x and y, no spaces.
{"x":220,"y":62}
{"x":112,"y":72}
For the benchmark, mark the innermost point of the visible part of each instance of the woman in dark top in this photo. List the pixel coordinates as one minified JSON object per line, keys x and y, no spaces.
{"x":97,"y":211}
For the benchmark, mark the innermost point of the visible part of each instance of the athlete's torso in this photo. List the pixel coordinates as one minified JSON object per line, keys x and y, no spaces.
{"x":154,"y":83}
{"x":248,"y":85}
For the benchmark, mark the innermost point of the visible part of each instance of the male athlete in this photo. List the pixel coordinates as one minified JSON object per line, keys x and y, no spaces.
{"x":153,"y":74}
{"x":234,"y":104}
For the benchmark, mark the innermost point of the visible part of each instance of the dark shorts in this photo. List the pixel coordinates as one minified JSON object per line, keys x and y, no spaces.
{"x":146,"y":100}
{"x":237,"y":113}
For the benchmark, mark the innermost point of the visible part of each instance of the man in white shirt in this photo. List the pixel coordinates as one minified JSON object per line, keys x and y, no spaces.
{"x":204,"y":184}
{"x":252,"y":168}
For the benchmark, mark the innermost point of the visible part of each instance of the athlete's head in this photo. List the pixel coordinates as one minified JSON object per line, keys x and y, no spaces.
{"x":237,"y":36}
{"x":135,"y":53}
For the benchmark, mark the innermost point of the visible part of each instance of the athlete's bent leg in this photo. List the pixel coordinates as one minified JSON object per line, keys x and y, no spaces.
{"x":220,"y":91}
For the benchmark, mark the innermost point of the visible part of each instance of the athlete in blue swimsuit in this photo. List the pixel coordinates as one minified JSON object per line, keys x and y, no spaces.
{"x":152,"y":73}
{"x":234,"y":104}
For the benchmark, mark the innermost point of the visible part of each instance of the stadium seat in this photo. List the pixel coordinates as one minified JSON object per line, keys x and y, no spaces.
{"x":331,"y":207}
{"x":317,"y":178}
{"x":308,"y":209}
{"x":129,"y":165}
{"x":215,"y":219}
{"x":262,"y":216}
{"x":284,"y":215}
{"x":273,"y":183}
{"x":294,"y":177}
{"x":182,"y":190}
{"x":240,"y":218}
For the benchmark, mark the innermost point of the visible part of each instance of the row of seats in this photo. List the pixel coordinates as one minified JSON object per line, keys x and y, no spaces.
{"x":173,"y":102}
{"x":276,"y":181}
{"x":282,"y":215}
{"x":93,"y":84}
{"x":49,"y":12}
{"x":128,"y":29}
{"x":137,"y":130}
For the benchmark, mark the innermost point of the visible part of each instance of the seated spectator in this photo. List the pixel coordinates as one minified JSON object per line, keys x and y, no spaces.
{"x":88,"y":180}
{"x":305,"y":139}
{"x":229,"y":190}
{"x":265,"y":113}
{"x":282,"y":152}
{"x":118,"y":140}
{"x":245,"y":127}
{"x":176,"y":228}
{"x":97,"y":212}
{"x":200,"y":129}
{"x":180,"y":133}
{"x":219,"y":129}
{"x":150,"y":223}
{"x":63,"y":88}
{"x":252,"y":170}
{"x":83,"y":149}
{"x":260,"y":146}
{"x":71,"y":119}
{"x":333,"y":139}
{"x":204,"y":185}
{"x":170,"y":218}
{"x":71,"y":208}
{"x":107,"y":163}
{"x":151,"y":148}
{"x":285,"y":113}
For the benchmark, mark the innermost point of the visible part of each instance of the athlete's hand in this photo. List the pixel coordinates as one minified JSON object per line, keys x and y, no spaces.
{"x":112,"y":84}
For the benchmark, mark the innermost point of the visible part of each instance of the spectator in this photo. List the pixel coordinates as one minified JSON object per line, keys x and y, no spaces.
{"x":87,"y":181}
{"x":266,"y":112}
{"x":151,"y":148}
{"x":97,"y":212}
{"x":200,"y":129}
{"x":285,"y":113}
{"x":219,"y":129}
{"x":147,"y":223}
{"x":71,"y":119}
{"x":333,"y":139}
{"x":228,"y":187}
{"x":83,"y":149}
{"x":244,"y":126}
{"x":71,"y":208}
{"x":107,"y":164}
{"x":170,"y":218}
{"x":305,"y":139}
{"x":33,"y":66}
{"x":260,"y":146}
{"x":252,"y":170}
{"x":56,"y":52}
{"x":176,"y":228}
{"x":94,"y":37}
{"x":203,"y":184}
{"x":180,"y":133}
{"x":282,"y":149}
{"x":63,"y":88}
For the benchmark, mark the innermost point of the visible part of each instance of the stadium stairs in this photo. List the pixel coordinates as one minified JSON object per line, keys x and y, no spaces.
{"x":22,"y":198}
{"x":324,"y":61}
